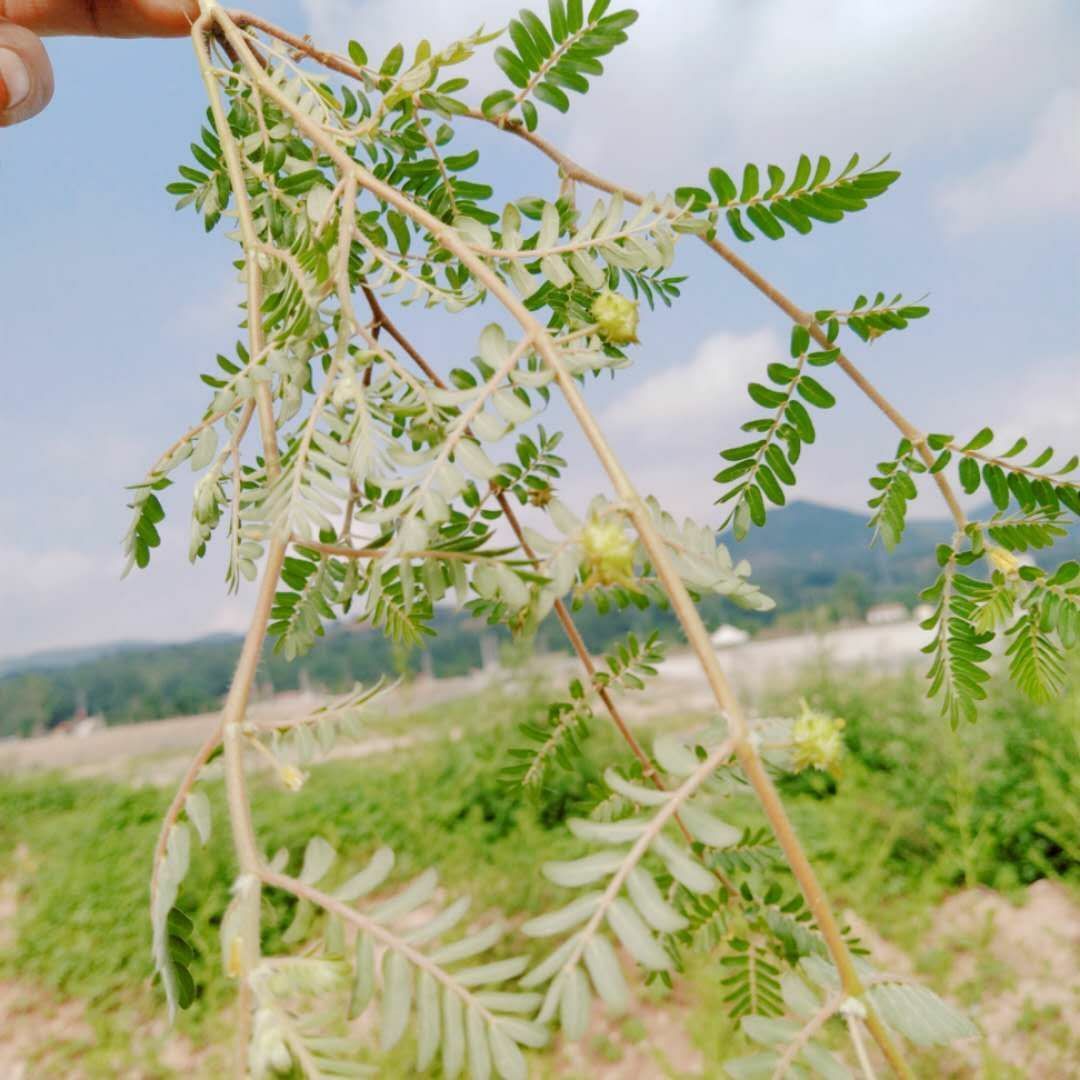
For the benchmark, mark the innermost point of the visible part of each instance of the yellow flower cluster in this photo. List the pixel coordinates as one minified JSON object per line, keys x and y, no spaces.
{"x":816,"y":740}
{"x":609,"y":553}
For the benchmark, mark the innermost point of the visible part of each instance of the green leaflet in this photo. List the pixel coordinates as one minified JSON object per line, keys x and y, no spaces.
{"x":812,"y":195}
{"x":396,"y":1000}
{"x":919,"y":1014}
{"x":547,"y":59}
{"x":896,"y":489}
{"x":559,"y":739}
{"x":760,"y":470}
{"x":319,"y":856}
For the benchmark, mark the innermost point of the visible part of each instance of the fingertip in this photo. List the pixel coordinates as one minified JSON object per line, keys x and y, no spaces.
{"x":26,"y":81}
{"x":14,"y":80}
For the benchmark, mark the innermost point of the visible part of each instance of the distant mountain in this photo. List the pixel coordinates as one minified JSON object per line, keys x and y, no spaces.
{"x":52,"y":659}
{"x":806,"y":548}
{"x":47,"y":658}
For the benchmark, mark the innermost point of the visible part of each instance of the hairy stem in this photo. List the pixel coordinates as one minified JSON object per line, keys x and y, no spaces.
{"x":808,"y":1031}
{"x":240,"y":689}
{"x":176,"y":807}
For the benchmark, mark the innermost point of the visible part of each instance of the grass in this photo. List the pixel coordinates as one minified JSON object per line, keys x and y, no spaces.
{"x":918,"y":811}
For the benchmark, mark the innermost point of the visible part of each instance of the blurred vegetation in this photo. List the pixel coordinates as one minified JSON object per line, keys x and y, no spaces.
{"x":919,"y":810}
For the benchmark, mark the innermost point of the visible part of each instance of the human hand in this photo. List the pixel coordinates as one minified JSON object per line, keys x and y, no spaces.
{"x":26,"y":79}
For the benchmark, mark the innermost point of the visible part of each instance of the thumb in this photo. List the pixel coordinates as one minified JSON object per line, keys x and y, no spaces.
{"x":26,"y":79}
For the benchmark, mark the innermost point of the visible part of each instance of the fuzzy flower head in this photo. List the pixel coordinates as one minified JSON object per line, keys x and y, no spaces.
{"x":616,"y":317}
{"x":609,"y":553}
{"x":540,"y":496}
{"x":816,"y":740}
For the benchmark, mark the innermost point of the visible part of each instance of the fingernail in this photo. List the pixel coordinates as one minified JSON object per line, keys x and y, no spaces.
{"x":15,"y":77}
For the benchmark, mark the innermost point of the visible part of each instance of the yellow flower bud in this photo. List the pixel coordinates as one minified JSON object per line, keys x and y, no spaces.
{"x":1003,"y":560}
{"x":609,"y":553}
{"x":235,"y":965}
{"x":616,"y":317}
{"x":816,"y":740}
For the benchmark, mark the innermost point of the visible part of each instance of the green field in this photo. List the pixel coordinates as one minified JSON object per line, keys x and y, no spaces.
{"x":918,"y":814}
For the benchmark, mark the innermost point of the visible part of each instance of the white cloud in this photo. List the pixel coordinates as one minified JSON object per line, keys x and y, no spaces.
{"x":60,"y":597}
{"x":209,"y":312}
{"x":1043,"y":179}
{"x":233,"y":615}
{"x":683,"y":403}
{"x":729,"y":81}
{"x":32,"y":575}
{"x":669,"y":426}
{"x":1041,"y":406}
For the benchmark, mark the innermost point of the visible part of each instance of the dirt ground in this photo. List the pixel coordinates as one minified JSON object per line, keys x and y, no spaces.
{"x":1023,"y":964}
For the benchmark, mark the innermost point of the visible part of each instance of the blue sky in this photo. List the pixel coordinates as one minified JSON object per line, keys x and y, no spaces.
{"x":111,"y":303}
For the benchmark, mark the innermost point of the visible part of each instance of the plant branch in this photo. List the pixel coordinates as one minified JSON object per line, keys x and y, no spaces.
{"x":642,"y":844}
{"x":808,"y":1031}
{"x":176,"y":807}
{"x":240,"y":689}
{"x":379,"y":932}
{"x":680,"y":599}
{"x":683,"y":606}
{"x":860,"y":1050}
